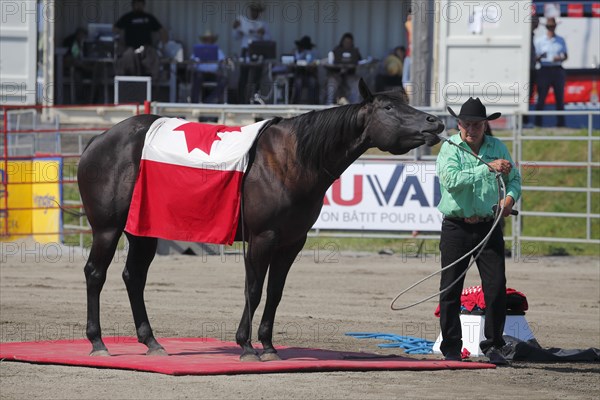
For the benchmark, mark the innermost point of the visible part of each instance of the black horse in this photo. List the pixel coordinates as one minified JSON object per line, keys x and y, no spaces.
{"x":294,"y":162}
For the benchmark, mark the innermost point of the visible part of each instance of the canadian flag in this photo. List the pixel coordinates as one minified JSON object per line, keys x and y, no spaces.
{"x":189,"y":182}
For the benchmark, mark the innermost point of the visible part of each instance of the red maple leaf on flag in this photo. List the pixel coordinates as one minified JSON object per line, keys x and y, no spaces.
{"x":202,"y":136}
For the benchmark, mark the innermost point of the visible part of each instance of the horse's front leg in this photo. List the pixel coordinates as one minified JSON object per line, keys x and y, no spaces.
{"x":280,"y":266}
{"x":256,"y":263}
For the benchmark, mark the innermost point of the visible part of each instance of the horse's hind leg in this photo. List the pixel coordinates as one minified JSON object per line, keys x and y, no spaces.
{"x":103,"y":248}
{"x":280,"y":266}
{"x":141,"y":254}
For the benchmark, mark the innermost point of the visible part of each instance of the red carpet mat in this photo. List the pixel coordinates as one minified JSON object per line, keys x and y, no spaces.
{"x":207,"y":356}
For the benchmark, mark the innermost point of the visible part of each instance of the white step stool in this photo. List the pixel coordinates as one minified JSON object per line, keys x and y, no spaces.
{"x":473,"y":331}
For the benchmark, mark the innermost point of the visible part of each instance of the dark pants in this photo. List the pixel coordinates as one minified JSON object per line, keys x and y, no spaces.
{"x":344,"y":84}
{"x":308,"y":81}
{"x":216,"y":94}
{"x":143,"y":63}
{"x":457,"y":239}
{"x":532,"y":81}
{"x":555,"y":77}
{"x":249,"y":83}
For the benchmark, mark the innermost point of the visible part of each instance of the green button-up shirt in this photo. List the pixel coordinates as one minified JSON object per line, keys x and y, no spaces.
{"x":467,"y":185}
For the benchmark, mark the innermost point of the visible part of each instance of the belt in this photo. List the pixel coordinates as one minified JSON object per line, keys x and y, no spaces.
{"x":471,"y":220}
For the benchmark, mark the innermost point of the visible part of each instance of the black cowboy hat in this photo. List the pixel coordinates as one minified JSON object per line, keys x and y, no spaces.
{"x":305,"y":43}
{"x":473,"y":110}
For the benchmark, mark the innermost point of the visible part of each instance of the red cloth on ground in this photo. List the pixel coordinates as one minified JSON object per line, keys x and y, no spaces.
{"x":208,"y":356}
{"x":473,"y":296}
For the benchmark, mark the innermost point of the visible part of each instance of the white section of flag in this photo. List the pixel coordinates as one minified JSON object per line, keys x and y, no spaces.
{"x":230,"y":153}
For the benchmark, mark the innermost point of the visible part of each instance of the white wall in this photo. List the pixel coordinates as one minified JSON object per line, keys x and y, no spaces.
{"x":18,"y":50}
{"x":488,"y":60}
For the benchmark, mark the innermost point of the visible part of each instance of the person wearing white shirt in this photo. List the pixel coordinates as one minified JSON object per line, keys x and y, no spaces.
{"x":246,"y":29}
{"x":551,"y":52}
{"x":249,"y":28}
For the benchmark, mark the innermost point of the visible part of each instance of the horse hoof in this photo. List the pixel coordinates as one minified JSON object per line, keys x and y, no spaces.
{"x":100,"y":353}
{"x":249,"y":357}
{"x":270,"y":357}
{"x":157,"y":352}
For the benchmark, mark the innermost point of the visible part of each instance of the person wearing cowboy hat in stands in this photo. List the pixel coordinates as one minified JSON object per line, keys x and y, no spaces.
{"x":208,"y":69}
{"x":305,"y":73}
{"x":468,"y":193}
{"x":551,"y":52}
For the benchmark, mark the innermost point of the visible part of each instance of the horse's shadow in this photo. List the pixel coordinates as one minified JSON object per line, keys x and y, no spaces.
{"x":293,"y":353}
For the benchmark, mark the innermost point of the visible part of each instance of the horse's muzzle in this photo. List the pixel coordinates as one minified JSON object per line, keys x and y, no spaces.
{"x":431,"y":139}
{"x":431,"y":135}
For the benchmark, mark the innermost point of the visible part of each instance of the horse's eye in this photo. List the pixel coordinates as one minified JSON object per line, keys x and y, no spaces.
{"x":389,"y":107}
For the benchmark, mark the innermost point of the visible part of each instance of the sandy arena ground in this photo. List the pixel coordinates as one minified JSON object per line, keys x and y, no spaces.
{"x":42,"y":296}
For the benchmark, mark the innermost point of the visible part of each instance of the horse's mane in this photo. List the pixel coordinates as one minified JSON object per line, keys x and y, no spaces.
{"x":318,"y":133}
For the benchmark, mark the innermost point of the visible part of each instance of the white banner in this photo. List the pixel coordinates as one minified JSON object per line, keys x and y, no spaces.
{"x":388,"y":196}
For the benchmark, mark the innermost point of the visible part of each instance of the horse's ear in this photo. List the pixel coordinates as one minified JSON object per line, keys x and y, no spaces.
{"x":364,"y":90}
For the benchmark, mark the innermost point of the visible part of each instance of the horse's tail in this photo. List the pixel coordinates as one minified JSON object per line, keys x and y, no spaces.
{"x":68,"y":211}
